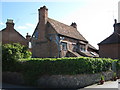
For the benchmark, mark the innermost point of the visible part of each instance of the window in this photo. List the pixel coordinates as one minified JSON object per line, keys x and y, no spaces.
{"x":61,"y":38}
{"x":36,"y":35}
{"x":64,"y":46}
{"x":74,"y":47}
{"x":82,"y":48}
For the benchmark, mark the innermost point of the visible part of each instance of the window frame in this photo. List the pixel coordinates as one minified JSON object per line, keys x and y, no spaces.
{"x":64,"y":46}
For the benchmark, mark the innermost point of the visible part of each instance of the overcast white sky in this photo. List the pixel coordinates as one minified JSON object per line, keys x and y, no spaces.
{"x":94,"y":18}
{"x":95,"y":21}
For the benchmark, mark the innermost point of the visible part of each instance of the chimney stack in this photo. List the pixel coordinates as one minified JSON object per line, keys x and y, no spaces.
{"x":43,"y":14}
{"x":28,"y":37}
{"x":74,"y":25}
{"x":10,"y":24}
{"x":116,"y":27}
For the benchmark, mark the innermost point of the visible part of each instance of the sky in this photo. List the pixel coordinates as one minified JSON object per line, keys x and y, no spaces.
{"x":94,"y":18}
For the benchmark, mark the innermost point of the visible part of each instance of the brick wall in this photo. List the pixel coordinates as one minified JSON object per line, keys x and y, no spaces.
{"x":12,"y":37}
{"x":109,"y":51}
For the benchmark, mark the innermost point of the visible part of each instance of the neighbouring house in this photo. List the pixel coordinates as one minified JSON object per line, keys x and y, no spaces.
{"x":110,"y":47}
{"x":10,"y":35}
{"x":52,"y":38}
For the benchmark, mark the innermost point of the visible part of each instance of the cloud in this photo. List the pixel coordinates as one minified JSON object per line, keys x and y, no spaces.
{"x":1,"y":23}
{"x":26,"y":26}
{"x":21,"y":27}
{"x":30,"y":25}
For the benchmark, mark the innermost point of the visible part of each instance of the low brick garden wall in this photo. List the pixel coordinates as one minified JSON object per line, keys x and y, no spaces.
{"x":58,"y":81}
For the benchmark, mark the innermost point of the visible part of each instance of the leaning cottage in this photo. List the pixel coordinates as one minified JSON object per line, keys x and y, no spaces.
{"x":55,"y":39}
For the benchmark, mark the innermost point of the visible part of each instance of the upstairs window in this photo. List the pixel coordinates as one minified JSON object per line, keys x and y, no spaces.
{"x":64,"y":46}
{"x":35,"y":35}
{"x":62,"y":38}
{"x":74,"y":47}
{"x":82,"y":48}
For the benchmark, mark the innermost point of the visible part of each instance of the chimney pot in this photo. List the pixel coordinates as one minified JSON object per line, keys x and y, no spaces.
{"x":74,"y":25}
{"x":115,"y":21}
{"x":28,"y":37}
{"x":9,"y":23}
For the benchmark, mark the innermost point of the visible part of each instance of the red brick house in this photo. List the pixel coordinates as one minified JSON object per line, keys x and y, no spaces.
{"x":110,"y":47}
{"x":10,"y":35}
{"x":52,"y":38}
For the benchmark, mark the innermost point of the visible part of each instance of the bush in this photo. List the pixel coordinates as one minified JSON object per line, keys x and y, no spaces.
{"x":13,"y":52}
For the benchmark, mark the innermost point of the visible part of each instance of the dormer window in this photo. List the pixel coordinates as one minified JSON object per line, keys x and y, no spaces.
{"x":82,"y":48}
{"x":74,"y":47}
{"x":64,"y":46}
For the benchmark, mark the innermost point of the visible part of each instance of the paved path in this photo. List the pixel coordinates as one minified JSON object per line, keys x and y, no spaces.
{"x":109,"y":84}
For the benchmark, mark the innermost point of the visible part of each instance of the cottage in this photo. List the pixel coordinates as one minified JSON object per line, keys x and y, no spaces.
{"x":110,"y":47}
{"x":52,"y":38}
{"x":10,"y":35}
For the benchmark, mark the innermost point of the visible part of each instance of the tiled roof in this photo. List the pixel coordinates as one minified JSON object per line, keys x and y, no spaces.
{"x":90,"y":46}
{"x":66,"y":30}
{"x":74,"y":53}
{"x":112,"y":39}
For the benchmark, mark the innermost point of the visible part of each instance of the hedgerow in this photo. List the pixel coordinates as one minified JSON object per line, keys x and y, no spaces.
{"x":79,"y":65}
{"x":32,"y":68}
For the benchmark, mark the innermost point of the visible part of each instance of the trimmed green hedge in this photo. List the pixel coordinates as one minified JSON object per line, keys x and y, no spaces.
{"x":33,"y":68}
{"x":50,"y":66}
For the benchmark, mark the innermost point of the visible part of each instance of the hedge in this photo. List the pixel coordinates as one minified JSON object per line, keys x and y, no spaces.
{"x":33,"y":68}
{"x":50,"y":66}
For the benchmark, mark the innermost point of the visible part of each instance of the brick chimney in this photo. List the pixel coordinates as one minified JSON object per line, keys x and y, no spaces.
{"x":116,"y":27}
{"x":10,"y":24}
{"x":74,"y":25}
{"x":43,"y":14}
{"x":28,"y":37}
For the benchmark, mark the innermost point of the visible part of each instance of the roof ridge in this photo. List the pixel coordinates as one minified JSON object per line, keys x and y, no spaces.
{"x":20,"y":34}
{"x":113,"y":38}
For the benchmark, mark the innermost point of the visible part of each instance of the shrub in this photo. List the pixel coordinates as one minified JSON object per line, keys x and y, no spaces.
{"x":12,"y":52}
